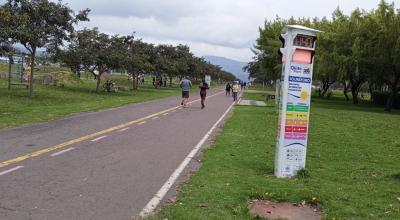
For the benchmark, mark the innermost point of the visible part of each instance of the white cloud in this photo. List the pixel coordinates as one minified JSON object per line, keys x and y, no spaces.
{"x":210,"y":27}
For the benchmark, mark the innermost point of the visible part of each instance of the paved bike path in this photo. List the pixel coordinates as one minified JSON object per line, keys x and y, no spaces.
{"x":109,"y":176}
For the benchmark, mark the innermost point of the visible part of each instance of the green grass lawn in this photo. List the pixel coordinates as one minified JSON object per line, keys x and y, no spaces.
{"x":51,"y":102}
{"x":353,"y":162}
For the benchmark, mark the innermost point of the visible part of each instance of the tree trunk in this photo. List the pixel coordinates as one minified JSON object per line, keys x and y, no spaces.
{"x":392,"y":96}
{"x":134,"y":82}
{"x":170,"y":81}
{"x":22,"y":68}
{"x":137,"y":82}
{"x":345,"y":90}
{"x":390,"y":100}
{"x":32,"y":70}
{"x":10,"y":58}
{"x":354,"y":93}
{"x":98,"y":83}
{"x":371,"y":90}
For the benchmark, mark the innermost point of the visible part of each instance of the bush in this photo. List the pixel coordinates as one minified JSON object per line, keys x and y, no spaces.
{"x":380,"y":98}
{"x":329,"y":94}
{"x":64,"y":77}
{"x":303,"y":173}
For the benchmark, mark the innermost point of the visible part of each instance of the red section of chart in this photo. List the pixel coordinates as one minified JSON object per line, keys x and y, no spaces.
{"x":296,"y":129}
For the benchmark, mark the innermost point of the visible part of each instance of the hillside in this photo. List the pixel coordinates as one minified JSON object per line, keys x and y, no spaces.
{"x":229,"y":65}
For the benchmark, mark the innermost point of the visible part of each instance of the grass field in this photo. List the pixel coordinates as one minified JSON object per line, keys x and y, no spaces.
{"x":353,"y":163}
{"x":52,"y":102}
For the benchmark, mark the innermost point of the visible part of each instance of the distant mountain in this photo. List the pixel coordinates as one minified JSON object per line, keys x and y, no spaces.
{"x":232,"y":66}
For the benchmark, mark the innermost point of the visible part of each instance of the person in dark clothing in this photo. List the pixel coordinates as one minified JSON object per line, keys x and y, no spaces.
{"x":203,"y":92}
{"x":228,"y":89}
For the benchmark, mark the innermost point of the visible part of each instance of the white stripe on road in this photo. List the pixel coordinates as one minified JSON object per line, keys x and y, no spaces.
{"x":152,"y":205}
{"x":99,"y":138}
{"x":143,"y":122}
{"x":165,"y":114}
{"x":11,"y":170}
{"x":124,"y":129}
{"x":61,"y":152}
{"x":155,"y":118}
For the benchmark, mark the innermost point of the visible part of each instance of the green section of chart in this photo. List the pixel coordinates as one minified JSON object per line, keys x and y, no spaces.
{"x":297,"y":108}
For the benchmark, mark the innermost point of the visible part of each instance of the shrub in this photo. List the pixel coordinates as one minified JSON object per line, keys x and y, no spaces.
{"x":64,"y":77}
{"x":303,"y":173}
{"x":380,"y":98}
{"x":329,"y":94}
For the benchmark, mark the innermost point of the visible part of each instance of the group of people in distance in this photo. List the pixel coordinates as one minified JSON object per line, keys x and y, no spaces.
{"x":159,"y":82}
{"x":234,"y":88}
{"x":186,"y":84}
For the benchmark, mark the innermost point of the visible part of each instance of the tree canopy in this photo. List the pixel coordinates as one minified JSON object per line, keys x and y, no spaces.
{"x":47,"y":24}
{"x":355,"y":50}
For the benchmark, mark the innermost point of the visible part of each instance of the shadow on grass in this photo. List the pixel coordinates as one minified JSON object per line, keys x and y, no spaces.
{"x":395,"y":176}
{"x":341,"y":104}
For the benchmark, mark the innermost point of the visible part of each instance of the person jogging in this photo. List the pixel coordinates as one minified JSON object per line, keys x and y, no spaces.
{"x":235,"y":90}
{"x":185,"y":86}
{"x":203,"y":92}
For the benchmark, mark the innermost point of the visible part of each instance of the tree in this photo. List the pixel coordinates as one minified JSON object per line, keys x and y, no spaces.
{"x":166,"y":59}
{"x":99,"y":52}
{"x":387,"y":48}
{"x":137,"y":58}
{"x":71,"y":56}
{"x":44,"y":24}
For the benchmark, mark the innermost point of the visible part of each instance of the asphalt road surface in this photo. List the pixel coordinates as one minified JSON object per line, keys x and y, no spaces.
{"x":100,"y":165}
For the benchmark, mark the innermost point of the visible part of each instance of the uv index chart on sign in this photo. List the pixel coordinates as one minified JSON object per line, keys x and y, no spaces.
{"x":297,"y":114}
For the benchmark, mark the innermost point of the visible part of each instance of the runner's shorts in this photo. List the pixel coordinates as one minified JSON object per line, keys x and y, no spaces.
{"x":185,"y":94}
{"x":203,"y":95}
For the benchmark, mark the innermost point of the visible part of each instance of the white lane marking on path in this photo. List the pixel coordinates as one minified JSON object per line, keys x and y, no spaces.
{"x":99,"y":138}
{"x":61,"y":152}
{"x":124,"y":129}
{"x":155,"y":118}
{"x":11,"y":170}
{"x":143,"y":122}
{"x":152,"y":205}
{"x":165,"y":114}
{"x":174,"y":111}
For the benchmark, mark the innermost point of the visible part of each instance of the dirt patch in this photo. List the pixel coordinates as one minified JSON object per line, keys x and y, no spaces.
{"x":283,"y":211}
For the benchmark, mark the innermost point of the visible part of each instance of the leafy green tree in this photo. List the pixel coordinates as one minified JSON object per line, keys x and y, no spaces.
{"x":45,"y":24}
{"x":137,"y":58}
{"x":8,"y":28}
{"x":99,"y":52}
{"x":387,"y":48}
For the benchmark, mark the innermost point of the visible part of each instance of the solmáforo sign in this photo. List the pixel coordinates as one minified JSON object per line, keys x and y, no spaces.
{"x":294,"y":103}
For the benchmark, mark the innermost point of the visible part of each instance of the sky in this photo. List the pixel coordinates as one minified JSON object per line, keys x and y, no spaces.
{"x":226,"y":28}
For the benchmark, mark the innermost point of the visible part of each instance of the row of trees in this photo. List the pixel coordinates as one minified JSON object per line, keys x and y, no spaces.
{"x":98,"y":53}
{"x":51,"y":25}
{"x":357,"y":50}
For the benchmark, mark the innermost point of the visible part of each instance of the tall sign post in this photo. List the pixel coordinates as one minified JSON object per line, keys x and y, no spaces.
{"x":294,"y":103}
{"x":207,"y":78}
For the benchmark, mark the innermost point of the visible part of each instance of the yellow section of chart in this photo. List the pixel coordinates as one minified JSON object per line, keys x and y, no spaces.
{"x":297,"y":115}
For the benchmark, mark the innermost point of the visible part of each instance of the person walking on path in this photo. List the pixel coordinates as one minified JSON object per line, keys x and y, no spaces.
{"x":228,"y":89}
{"x":185,"y":86}
{"x":235,"y":90}
{"x":203,"y":92}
